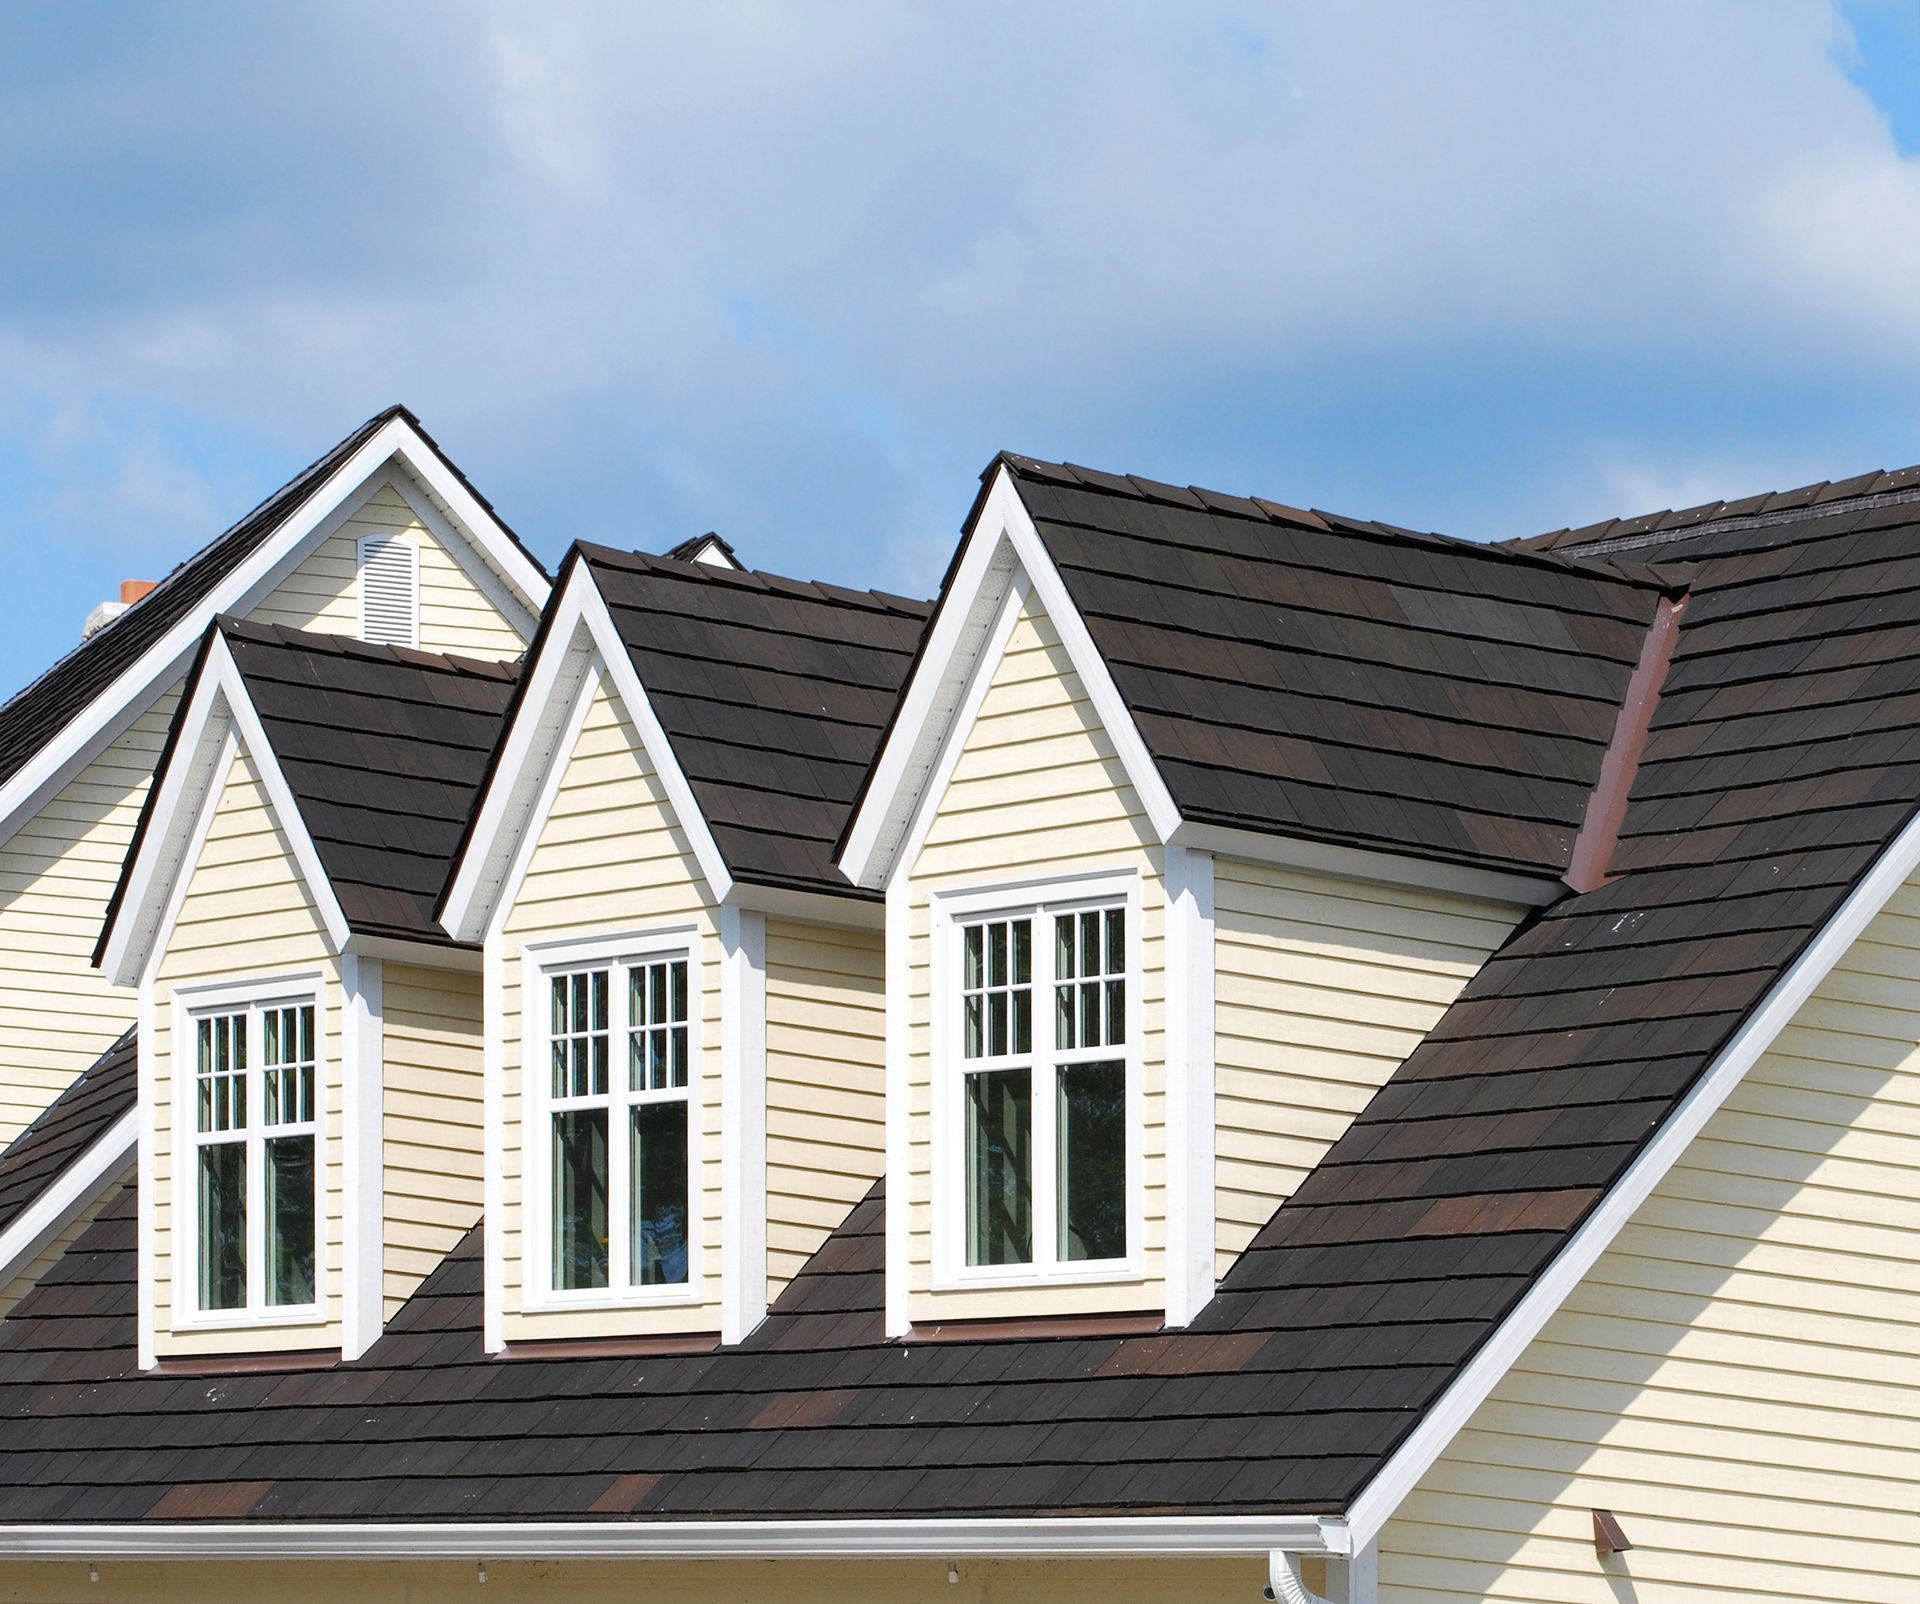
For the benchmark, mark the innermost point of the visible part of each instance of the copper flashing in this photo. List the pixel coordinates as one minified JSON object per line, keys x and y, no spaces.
{"x":1032,"y":1330}
{"x":1607,"y":802}
{"x":675,"y":1345}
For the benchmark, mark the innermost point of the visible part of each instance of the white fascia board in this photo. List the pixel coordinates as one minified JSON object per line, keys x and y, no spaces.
{"x":421,"y":954}
{"x":1003,"y":542}
{"x":1376,"y":1503}
{"x":809,"y":907}
{"x":1063,"y":1537}
{"x":90,"y":730}
{"x":581,"y":638}
{"x":1372,"y":867}
{"x":476,"y":560}
{"x":68,"y":1195}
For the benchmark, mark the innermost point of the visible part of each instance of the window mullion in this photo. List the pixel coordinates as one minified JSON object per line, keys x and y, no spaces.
{"x":1045,"y":1053}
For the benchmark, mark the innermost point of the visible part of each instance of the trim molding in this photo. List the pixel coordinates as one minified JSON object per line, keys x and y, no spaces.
{"x":1065,"y":1537}
{"x":1381,"y":1497}
{"x":743,"y":1122}
{"x":68,"y":1195}
{"x":363,"y":1082}
{"x":1192,"y":1230}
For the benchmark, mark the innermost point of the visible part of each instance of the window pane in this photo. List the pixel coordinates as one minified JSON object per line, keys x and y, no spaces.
{"x":1092,"y":1126}
{"x":999,"y":1119}
{"x":659,"y":1170}
{"x":970,"y":948}
{"x":289,"y":1192}
{"x":1116,"y":941}
{"x":1022,"y":952}
{"x":580,"y":1199}
{"x":976,"y":1044}
{"x":996,"y":955}
{"x":223,"y":1225}
{"x":221,"y":1070}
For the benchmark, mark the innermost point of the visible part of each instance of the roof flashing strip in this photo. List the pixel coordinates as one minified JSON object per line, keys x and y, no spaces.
{"x":1053,"y":1537}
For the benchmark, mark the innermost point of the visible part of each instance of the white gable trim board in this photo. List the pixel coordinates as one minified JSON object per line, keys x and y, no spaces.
{"x":1382,"y":1496}
{"x":68,"y":1195}
{"x":325,"y":509}
{"x":581,"y":647}
{"x":219,"y":715}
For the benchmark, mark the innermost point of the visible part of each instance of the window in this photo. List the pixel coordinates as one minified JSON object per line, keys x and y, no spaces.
{"x":389,"y":591}
{"x":255,"y":1147}
{"x":618,"y":1142}
{"x":1045,"y":1136}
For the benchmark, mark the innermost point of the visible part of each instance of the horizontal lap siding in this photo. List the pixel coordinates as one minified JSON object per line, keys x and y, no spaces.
{"x":826,"y":1075}
{"x":611,"y":857}
{"x":1321,"y":988}
{"x":246,"y":914}
{"x":1037,"y":790}
{"x":57,"y":1012}
{"x":28,"y":1278}
{"x":1738,"y":1378}
{"x":323,"y":593}
{"x":433,"y":1119}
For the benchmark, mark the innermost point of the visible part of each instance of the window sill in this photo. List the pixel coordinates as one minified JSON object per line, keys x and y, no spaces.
{"x":1023,"y":1278}
{"x":1038,"y":1328}
{"x":236,"y":1322}
{"x":693,"y":1342}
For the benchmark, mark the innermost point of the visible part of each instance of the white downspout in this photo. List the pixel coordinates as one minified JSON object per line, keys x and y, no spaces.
{"x":1283,"y":1580}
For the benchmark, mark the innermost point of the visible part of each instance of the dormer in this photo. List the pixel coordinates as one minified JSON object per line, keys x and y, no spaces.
{"x":309,"y":1039}
{"x":684,"y":997}
{"x":1195,"y":815}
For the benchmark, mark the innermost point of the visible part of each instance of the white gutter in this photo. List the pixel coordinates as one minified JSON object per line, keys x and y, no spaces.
{"x":67,"y":1196}
{"x":1094,"y":1537}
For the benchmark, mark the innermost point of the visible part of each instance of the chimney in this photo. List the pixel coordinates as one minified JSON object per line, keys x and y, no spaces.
{"x":131,"y":590}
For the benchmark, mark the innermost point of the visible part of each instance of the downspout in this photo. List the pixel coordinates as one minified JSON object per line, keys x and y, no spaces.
{"x":1283,"y":1580}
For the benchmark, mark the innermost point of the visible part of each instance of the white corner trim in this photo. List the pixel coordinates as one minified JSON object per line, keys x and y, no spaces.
{"x":493,"y":1144}
{"x":108,"y":714}
{"x":169,"y":847}
{"x":363,"y":1157}
{"x":581,"y":647}
{"x":68,"y":1195}
{"x":1376,"y":1503}
{"x":743,"y":1122}
{"x":898,"y":1198}
{"x":1003,"y":540}
{"x":1373,"y":867}
{"x":146,"y":1189}
{"x":1187,"y":879}
{"x":1059,"y":1537}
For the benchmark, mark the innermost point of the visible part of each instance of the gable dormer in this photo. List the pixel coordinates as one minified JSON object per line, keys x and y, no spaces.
{"x":1193,"y":819}
{"x":309,"y":1041}
{"x":79,"y":746}
{"x":684,"y":1003}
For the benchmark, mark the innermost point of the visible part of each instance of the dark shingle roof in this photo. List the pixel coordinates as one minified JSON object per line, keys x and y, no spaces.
{"x":1301,"y":673}
{"x":1779,"y":762}
{"x":38,"y":713}
{"x":67,"y":1127}
{"x":773,"y":692}
{"x":383,"y":749}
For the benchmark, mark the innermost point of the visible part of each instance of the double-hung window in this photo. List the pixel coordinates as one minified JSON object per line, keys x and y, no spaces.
{"x":618,"y":1144}
{"x":255,"y":1171}
{"x":1041,"y":1004}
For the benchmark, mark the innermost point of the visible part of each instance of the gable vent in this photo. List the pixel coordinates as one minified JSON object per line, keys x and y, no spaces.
{"x":389,"y":591}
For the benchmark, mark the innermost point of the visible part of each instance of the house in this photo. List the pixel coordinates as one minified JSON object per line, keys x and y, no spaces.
{"x":1239,"y":1048}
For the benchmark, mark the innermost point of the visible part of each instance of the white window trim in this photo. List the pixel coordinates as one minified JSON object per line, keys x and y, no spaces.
{"x":949,"y":910}
{"x":539,"y":961}
{"x":189,"y":1004}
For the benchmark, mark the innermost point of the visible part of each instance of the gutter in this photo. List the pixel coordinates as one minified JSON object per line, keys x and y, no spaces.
{"x":1093,"y":1537}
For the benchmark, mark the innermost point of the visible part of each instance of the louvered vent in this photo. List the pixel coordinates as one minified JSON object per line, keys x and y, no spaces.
{"x":389,"y":592}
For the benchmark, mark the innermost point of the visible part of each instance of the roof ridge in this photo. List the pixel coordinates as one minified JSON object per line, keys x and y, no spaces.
{"x":822,"y":590}
{"x":1260,"y":510}
{"x":286,"y":635}
{"x":1880,"y":487}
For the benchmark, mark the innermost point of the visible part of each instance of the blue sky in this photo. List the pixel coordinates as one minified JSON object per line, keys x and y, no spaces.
{"x":797,"y":272}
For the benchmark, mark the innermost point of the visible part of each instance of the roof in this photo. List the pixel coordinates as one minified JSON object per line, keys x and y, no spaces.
{"x":773,"y":693}
{"x":1780,"y":761}
{"x":34,"y":716}
{"x":383,"y":748}
{"x":1301,"y":673}
{"x":67,"y":1127}
{"x":694,"y":550}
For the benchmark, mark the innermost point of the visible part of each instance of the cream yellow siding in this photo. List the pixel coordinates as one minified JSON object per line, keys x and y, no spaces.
{"x":1036,"y":791}
{"x":921,"y":1581}
{"x":246,"y":914}
{"x":826,"y":1084}
{"x":610,"y":858}
{"x":323,"y":593}
{"x":57,"y":1013}
{"x":433,"y":1131}
{"x":29,"y":1277}
{"x":1321,"y":988}
{"x":1738,"y":1378}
